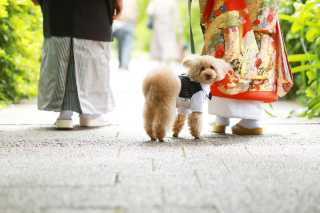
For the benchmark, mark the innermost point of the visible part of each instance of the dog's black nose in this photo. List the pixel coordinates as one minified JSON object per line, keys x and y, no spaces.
{"x":208,"y":75}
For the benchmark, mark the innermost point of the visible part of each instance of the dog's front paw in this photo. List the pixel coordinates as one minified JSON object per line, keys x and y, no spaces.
{"x":175,"y":135}
{"x":198,"y":137}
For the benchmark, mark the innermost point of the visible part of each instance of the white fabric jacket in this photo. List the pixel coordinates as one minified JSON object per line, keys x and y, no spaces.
{"x":195,"y":104}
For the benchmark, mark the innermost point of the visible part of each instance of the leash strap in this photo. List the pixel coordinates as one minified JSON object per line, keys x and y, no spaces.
{"x":191,"y":34}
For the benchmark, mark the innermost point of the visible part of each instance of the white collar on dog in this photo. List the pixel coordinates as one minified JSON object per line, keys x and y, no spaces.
{"x":206,"y":88}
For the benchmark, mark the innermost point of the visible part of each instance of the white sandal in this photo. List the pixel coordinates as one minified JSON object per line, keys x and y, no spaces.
{"x":64,"y":124}
{"x":95,"y":122}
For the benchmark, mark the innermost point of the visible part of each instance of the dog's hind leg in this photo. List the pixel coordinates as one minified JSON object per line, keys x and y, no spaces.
{"x":149,"y":114}
{"x":195,"y":124}
{"x":178,"y":124}
{"x":163,"y":121}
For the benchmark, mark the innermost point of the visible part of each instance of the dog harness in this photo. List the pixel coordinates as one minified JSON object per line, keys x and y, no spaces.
{"x":192,"y":95}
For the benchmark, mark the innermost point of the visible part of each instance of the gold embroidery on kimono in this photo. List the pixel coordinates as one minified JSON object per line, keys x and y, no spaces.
{"x":243,"y":33}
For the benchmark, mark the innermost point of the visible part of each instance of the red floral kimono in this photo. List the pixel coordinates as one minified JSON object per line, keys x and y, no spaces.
{"x":247,"y":34}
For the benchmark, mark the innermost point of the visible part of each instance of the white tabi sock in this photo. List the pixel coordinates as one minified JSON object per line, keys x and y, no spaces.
{"x":65,"y":115}
{"x":248,"y":123}
{"x":222,"y":121}
{"x":93,"y":116}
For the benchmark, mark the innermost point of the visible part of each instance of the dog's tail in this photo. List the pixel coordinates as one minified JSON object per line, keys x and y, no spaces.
{"x":161,"y":86}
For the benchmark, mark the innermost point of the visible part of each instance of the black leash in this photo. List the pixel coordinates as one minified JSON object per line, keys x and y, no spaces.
{"x":191,"y":34}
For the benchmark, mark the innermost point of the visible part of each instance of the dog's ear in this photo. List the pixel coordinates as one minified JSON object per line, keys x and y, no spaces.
{"x":191,"y":60}
{"x":222,"y":67}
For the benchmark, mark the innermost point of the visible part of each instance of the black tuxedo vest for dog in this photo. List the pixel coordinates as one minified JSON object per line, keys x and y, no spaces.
{"x":189,"y":88}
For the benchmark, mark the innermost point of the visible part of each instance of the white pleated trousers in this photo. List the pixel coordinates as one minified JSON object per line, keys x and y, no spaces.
{"x":75,"y":76}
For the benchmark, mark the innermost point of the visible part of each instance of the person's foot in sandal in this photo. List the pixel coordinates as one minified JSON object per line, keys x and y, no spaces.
{"x":247,"y":127}
{"x":64,"y":120}
{"x":219,"y":124}
{"x":91,"y":120}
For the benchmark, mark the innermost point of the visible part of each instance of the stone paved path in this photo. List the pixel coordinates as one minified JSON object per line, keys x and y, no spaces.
{"x":118,"y":169}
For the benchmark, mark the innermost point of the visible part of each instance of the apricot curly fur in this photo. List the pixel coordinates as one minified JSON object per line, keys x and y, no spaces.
{"x":161,"y":87}
{"x":195,"y":124}
{"x":178,"y":125}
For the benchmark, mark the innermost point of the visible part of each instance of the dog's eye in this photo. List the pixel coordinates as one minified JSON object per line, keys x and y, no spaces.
{"x":211,"y":67}
{"x":202,"y":68}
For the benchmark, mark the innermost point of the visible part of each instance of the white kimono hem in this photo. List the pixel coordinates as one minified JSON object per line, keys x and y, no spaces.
{"x":232,"y":108}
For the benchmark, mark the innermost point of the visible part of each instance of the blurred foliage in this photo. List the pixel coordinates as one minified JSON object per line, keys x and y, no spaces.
{"x":195,"y":23}
{"x":291,"y":31}
{"x":20,"y":50}
{"x":142,"y":33}
{"x":302,"y":42}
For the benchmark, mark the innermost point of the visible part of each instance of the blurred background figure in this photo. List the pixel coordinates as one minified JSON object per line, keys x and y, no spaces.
{"x":123,"y":32}
{"x":167,"y":30}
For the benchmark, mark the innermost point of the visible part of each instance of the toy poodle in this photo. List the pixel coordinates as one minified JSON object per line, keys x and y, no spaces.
{"x":164,"y":91}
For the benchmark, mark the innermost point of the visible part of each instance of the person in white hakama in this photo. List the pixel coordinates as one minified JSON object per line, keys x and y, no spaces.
{"x":74,"y":75}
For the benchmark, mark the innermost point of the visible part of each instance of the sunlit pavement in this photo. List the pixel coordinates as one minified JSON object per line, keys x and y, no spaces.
{"x":118,"y":169}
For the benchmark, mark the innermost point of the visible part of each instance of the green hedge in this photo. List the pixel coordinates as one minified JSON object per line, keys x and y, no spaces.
{"x":305,"y":63}
{"x":20,"y":50}
{"x":304,"y":84}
